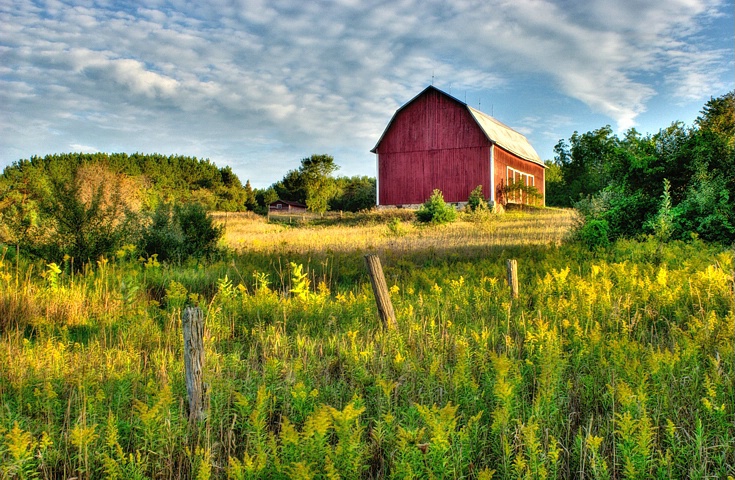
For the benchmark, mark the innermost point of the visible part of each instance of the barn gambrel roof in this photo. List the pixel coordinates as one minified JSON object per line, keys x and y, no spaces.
{"x":495,"y":131}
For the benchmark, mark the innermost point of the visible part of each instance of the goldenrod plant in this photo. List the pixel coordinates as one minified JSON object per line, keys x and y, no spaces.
{"x":616,"y":363}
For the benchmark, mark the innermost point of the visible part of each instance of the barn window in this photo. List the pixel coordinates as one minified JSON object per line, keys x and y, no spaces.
{"x":279,"y":206}
{"x":527,"y":180}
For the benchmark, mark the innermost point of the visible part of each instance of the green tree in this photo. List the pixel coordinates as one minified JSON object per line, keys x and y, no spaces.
{"x":554,"y":184}
{"x":318,"y":183}
{"x":312,"y":184}
{"x":718,"y":115}
{"x":353,"y":194}
{"x":86,"y":220}
{"x":230,"y":194}
{"x":291,"y":187}
{"x":20,"y":221}
{"x":250,"y":201}
{"x":585,"y":162}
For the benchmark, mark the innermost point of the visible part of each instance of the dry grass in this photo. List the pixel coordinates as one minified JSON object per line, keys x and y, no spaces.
{"x":372,"y":232}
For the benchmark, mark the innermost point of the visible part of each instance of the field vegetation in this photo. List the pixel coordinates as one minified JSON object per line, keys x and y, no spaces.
{"x":615,"y":362}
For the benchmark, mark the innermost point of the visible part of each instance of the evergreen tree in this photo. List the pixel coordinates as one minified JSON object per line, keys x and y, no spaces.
{"x":250,"y":202}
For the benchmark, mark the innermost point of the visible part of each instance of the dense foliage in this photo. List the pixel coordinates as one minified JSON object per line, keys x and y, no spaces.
{"x":354,"y":194}
{"x":173,"y":178}
{"x":620,"y":181}
{"x":180,"y":232}
{"x":612,"y":365}
{"x":88,"y":206}
{"x":313,"y":185}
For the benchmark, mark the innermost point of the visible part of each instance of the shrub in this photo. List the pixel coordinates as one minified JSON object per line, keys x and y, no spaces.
{"x":706,"y":210}
{"x":663,"y":222}
{"x":88,"y":213}
{"x":180,"y":232}
{"x":477,"y":209}
{"x":623,"y":211}
{"x":395,"y":227}
{"x":198,"y":229}
{"x":476,"y":200}
{"x":594,"y":233}
{"x":161,"y":237}
{"x":436,"y":210}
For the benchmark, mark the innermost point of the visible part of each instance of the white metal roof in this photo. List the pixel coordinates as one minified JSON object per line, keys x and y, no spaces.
{"x":505,"y":137}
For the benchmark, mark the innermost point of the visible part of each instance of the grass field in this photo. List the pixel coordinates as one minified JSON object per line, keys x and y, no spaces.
{"x":338,"y":234}
{"x":616,"y":363}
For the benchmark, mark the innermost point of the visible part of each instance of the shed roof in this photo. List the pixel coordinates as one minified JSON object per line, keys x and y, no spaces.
{"x":495,"y":131}
{"x":288,"y":202}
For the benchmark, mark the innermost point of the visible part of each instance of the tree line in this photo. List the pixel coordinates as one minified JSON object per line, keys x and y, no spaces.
{"x":673,"y":184}
{"x":84,"y":206}
{"x":156,"y":178}
{"x":313,"y":185}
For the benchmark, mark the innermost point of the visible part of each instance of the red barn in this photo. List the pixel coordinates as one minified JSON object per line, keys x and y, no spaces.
{"x":436,"y":141}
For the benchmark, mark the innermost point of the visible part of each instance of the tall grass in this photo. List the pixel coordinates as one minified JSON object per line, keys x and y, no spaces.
{"x":612,"y":364}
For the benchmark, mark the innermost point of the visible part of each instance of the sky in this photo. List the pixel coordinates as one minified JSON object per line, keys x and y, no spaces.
{"x":259,"y":85}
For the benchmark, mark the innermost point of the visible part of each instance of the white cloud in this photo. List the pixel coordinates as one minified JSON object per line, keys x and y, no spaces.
{"x":262,"y":78}
{"x":695,"y":74}
{"x":83,"y":148}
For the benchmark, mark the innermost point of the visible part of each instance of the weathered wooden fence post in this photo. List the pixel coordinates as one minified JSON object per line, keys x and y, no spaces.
{"x":512,"y":268}
{"x":380,"y":289}
{"x":193,"y":325}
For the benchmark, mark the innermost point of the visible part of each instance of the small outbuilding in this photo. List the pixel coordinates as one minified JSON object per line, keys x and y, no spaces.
{"x":286,"y":206}
{"x":438,"y":142}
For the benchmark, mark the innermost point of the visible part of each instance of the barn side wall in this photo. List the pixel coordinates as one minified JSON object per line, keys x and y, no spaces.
{"x":432,"y":143}
{"x":505,"y":159}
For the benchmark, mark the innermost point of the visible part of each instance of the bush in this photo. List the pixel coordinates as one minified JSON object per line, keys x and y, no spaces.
{"x":180,"y":232}
{"x":522,"y":194}
{"x":706,"y":210}
{"x":476,"y":200}
{"x":200,"y":233}
{"x":395,"y":227}
{"x":86,"y":214}
{"x":624,"y":212}
{"x":436,"y":210}
{"x":594,"y":233}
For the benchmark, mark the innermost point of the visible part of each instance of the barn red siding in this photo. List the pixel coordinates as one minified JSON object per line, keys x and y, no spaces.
{"x":504,"y":159}
{"x":410,"y":177}
{"x":432,"y":143}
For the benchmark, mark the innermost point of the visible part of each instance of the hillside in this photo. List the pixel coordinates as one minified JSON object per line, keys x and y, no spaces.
{"x":159,"y":177}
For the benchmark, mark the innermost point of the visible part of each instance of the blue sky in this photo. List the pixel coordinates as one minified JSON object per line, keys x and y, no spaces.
{"x":259,"y":85}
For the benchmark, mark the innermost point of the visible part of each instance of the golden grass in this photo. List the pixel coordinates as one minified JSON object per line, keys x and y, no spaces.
{"x":246,"y":232}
